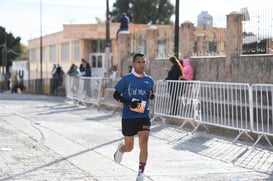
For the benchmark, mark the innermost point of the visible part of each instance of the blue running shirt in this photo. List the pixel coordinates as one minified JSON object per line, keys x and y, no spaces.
{"x":132,"y":87}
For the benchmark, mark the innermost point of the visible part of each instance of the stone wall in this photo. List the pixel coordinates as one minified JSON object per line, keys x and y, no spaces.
{"x":245,"y":69}
{"x":233,"y":67}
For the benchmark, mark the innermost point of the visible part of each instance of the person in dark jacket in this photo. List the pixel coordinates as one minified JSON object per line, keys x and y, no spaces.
{"x":87,"y":82}
{"x":87,"y":70}
{"x":175,"y":71}
{"x":124,"y":22}
{"x":174,"y":74}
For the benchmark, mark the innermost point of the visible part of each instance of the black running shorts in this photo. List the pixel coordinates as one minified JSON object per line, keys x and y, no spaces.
{"x":130,"y":127}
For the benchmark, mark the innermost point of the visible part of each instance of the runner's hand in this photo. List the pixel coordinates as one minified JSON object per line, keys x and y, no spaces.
{"x":151,"y":95}
{"x":134,"y":104}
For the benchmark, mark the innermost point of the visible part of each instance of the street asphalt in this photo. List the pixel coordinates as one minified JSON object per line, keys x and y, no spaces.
{"x":47,"y":138}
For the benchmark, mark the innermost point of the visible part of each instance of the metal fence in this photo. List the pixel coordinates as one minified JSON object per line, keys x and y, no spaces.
{"x":238,"y":106}
{"x":262,"y":111}
{"x":226,"y":105}
{"x":258,"y":32}
{"x":179,"y":99}
{"x":86,"y":90}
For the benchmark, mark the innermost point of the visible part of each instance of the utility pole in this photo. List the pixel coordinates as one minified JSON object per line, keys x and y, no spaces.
{"x":2,"y":61}
{"x":5,"y":60}
{"x":5,"y":56}
{"x":4,"y":52}
{"x":176,"y":32}
{"x":107,"y":44}
{"x":41,"y":47}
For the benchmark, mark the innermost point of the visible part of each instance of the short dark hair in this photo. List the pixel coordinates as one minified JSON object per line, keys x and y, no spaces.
{"x":138,"y":55}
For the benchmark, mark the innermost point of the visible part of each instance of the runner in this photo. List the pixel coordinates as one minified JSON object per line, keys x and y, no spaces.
{"x":134,"y":90}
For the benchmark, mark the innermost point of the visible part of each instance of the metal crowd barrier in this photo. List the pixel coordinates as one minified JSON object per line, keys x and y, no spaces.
{"x":226,"y":105}
{"x":86,"y":90}
{"x":237,"y":106}
{"x":178,"y":99}
{"x":262,"y":120}
{"x":72,"y":87}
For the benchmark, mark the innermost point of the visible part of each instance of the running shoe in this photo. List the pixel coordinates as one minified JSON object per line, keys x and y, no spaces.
{"x":118,"y":154}
{"x":140,"y":177}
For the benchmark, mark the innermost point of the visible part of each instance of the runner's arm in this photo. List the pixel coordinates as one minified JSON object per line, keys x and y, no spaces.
{"x":121,"y":99}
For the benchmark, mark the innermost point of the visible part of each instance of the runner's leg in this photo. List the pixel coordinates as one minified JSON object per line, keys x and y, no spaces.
{"x":143,"y":145}
{"x":129,"y":143}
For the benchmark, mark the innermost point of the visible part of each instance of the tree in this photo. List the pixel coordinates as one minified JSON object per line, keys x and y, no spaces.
{"x":144,"y":11}
{"x":10,"y":47}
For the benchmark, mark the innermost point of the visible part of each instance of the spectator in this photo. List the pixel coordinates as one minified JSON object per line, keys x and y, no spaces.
{"x":87,"y":81}
{"x":87,"y":70}
{"x":113,"y":72}
{"x":59,"y":72}
{"x":82,"y":66}
{"x":73,"y":70}
{"x":15,"y":85}
{"x":175,"y":71}
{"x":174,"y":74}
{"x":124,"y":22}
{"x":57,"y":80}
{"x":187,"y":70}
{"x":53,"y":71}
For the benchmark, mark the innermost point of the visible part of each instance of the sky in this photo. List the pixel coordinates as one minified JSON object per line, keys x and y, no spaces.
{"x":22,"y":17}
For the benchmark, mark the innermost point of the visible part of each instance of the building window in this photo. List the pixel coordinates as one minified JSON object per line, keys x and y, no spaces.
{"x":102,"y":45}
{"x":65,"y":51}
{"x":32,"y":55}
{"x":211,"y":47}
{"x":96,"y":61}
{"x":52,"y":53}
{"x":76,"y":49}
{"x":162,"y":49}
{"x":97,"y":46}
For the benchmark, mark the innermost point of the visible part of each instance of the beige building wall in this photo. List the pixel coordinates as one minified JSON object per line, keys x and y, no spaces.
{"x":141,"y":37}
{"x":156,"y":41}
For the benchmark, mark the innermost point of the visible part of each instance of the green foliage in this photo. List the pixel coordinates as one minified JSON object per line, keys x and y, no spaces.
{"x":144,"y":11}
{"x":10,"y":47}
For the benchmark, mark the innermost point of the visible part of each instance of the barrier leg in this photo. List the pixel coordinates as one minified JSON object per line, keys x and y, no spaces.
{"x":197,"y":126}
{"x":160,"y":117}
{"x":260,"y":137}
{"x":240,"y":134}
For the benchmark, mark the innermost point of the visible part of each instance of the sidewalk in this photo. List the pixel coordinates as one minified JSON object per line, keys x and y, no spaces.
{"x":47,"y":138}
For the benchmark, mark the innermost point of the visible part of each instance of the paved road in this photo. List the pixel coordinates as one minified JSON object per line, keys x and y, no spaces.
{"x":48,"y":138}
